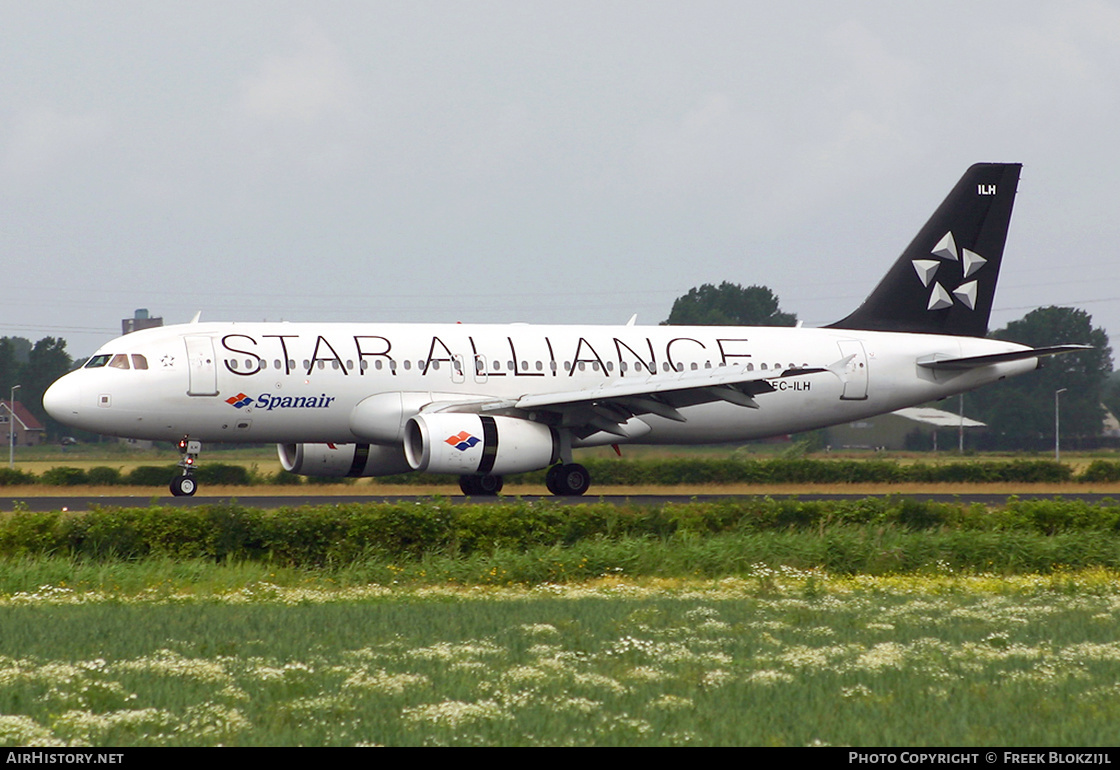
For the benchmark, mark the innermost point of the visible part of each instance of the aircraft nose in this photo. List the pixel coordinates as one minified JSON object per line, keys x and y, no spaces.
{"x":63,"y":399}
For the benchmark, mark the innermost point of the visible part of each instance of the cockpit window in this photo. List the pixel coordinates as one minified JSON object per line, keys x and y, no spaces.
{"x":139,"y":362}
{"x":120,"y":361}
{"x":98,"y":361}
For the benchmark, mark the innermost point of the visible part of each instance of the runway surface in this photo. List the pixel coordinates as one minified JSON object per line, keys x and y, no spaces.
{"x":85,"y":502}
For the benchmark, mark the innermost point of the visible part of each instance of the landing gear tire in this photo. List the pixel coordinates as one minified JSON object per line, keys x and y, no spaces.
{"x":550,"y":479}
{"x":480,"y":486}
{"x":569,"y":480}
{"x":183,"y":486}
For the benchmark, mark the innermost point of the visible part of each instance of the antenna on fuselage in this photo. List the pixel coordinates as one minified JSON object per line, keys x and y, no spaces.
{"x":196,"y":317}
{"x":633,"y":320}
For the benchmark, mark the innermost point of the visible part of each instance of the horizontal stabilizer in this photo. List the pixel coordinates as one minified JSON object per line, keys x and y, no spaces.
{"x":974,"y":362}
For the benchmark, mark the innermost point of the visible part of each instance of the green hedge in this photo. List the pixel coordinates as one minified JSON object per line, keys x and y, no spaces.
{"x":642,"y":472}
{"x":338,"y":534}
{"x":689,"y":471}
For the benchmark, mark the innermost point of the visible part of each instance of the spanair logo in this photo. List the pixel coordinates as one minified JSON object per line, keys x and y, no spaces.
{"x":268,"y":402}
{"x":239,"y":400}
{"x":970,"y":261}
{"x":461,"y":441}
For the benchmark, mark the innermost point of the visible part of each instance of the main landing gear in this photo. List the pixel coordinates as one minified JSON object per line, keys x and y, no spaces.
{"x":563,"y":480}
{"x":480,"y":486}
{"x":567,"y":479}
{"x":185,"y":485}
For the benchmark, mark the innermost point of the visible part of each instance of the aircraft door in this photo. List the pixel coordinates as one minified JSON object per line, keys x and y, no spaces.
{"x":855,"y":371}
{"x":202,"y":366}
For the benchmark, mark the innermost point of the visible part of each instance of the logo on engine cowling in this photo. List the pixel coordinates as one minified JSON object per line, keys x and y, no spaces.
{"x":461,"y":441}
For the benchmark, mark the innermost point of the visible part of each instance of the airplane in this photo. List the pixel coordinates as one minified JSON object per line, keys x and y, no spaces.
{"x":484,"y":401}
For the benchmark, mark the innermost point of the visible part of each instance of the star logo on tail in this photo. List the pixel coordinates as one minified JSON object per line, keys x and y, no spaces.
{"x":946,"y":251}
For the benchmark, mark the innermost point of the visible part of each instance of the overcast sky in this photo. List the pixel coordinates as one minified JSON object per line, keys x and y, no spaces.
{"x":568,"y":162}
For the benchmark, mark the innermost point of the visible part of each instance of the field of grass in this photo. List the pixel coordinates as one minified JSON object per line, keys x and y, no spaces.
{"x":781,"y":657}
{"x":912,"y":639}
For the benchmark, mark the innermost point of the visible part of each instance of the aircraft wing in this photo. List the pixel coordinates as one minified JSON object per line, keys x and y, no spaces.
{"x":607,"y":406}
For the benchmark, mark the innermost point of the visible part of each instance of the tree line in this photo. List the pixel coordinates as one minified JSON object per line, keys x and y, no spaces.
{"x":33,"y":367}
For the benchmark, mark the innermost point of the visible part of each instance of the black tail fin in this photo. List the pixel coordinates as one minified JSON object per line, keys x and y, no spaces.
{"x":945,"y":281}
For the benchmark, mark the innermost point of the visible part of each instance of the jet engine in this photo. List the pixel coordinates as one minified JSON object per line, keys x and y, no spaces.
{"x":342,"y":459}
{"x":478,"y":444}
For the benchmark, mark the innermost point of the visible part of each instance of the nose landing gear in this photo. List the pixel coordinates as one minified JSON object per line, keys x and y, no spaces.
{"x":185,"y":485}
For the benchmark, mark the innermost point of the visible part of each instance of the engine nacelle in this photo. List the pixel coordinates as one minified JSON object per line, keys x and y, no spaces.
{"x":470,"y":443}
{"x":342,"y":459}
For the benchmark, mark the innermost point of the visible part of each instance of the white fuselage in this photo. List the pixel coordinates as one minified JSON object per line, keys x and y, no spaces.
{"x":297,"y":382}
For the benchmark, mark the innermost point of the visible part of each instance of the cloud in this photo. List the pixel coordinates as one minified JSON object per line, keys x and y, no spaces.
{"x":311,"y":84}
{"x":42,"y":142}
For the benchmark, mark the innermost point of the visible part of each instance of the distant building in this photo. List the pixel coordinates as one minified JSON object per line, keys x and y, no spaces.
{"x":898,"y":430}
{"x":14,"y":418}
{"x":140,"y":320}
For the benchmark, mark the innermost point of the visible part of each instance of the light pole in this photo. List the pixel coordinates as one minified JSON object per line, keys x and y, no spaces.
{"x":12,"y":427}
{"x":1057,"y":427}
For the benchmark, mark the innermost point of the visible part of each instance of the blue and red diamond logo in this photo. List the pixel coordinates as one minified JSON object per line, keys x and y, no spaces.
{"x":461,"y":441}
{"x":239,"y":400}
